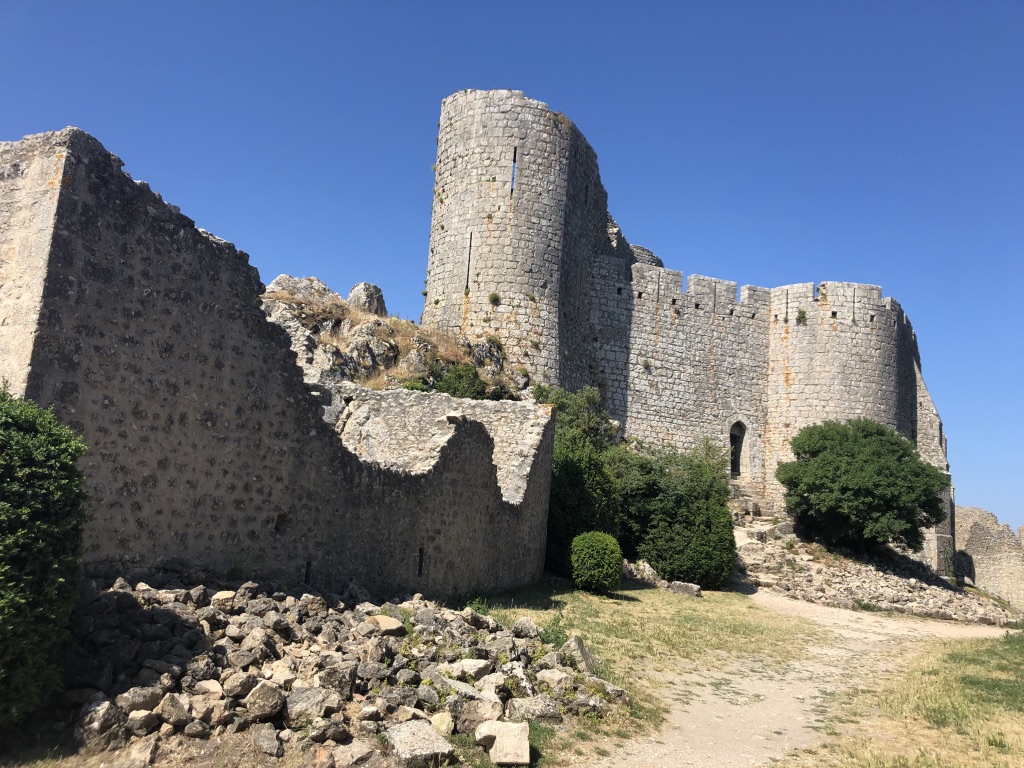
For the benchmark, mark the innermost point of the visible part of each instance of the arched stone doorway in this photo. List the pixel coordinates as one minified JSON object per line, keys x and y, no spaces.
{"x":736,"y":458}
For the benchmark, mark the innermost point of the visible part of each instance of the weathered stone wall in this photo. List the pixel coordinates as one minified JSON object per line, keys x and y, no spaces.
{"x":675,"y":365}
{"x":147,"y":335}
{"x":835,"y":353}
{"x":28,"y":205}
{"x":518,"y":211}
{"x":990,"y":554}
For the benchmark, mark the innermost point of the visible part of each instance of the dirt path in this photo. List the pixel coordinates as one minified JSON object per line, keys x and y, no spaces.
{"x":748,"y":714}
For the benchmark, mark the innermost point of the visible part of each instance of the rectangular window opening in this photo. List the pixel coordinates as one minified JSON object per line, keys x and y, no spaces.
{"x":512,"y":185}
{"x":696,"y":305}
{"x":619,"y":290}
{"x":732,"y":312}
{"x":871,"y":318}
{"x":639,"y":294}
{"x":673,"y":302}
{"x":835,"y":315}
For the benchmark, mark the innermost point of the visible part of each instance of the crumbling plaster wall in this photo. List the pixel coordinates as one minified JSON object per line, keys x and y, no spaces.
{"x":147,"y":335}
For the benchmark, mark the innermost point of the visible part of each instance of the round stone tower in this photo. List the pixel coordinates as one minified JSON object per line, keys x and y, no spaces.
{"x":518,"y":214}
{"x":836,"y":352}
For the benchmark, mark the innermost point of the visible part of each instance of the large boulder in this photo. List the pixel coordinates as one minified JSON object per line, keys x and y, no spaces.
{"x":369,"y":298}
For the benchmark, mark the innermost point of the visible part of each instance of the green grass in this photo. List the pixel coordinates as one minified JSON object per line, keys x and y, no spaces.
{"x":961,"y":705}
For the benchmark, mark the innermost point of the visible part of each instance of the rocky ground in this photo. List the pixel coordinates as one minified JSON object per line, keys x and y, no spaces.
{"x":353,"y":340}
{"x":771,"y":556}
{"x":336,"y":679}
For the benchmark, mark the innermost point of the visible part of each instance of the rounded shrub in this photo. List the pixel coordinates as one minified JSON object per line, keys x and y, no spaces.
{"x":41,"y":518}
{"x":462,"y":380}
{"x":596,"y":562}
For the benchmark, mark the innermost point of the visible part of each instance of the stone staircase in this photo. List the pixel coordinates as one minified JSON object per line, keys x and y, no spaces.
{"x":745,"y":502}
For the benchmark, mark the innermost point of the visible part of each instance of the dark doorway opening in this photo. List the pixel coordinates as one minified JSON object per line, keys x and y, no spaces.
{"x":736,"y":435}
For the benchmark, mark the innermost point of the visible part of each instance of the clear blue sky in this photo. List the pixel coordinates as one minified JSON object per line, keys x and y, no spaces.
{"x":762,"y":142}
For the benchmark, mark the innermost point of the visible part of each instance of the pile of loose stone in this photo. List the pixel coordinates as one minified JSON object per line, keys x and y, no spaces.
{"x":775,"y":558}
{"x":304,"y":672}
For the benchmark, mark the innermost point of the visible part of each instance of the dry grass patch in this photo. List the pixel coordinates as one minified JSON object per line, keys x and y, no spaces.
{"x":639,"y":633}
{"x":960,"y":705}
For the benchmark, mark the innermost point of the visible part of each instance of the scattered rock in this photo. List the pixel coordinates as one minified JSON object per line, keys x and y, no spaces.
{"x":101,"y":726}
{"x":200,"y":663}
{"x":264,"y":738}
{"x":470,"y":714}
{"x":542,"y":709}
{"x":264,"y":701}
{"x":506,"y":743}
{"x":575,"y":649}
{"x":684,"y":588}
{"x":418,"y":741}
{"x":443,"y":723}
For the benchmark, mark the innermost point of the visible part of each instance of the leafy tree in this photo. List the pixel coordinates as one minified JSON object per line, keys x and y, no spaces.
{"x":667,"y":507}
{"x":41,"y":518}
{"x":859,"y":484}
{"x":581,"y":491}
{"x":685,"y":525}
{"x":596,"y":562}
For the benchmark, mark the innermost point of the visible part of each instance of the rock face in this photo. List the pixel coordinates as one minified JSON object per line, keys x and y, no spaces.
{"x":772,"y":557}
{"x":325,"y":670}
{"x":148,"y":336}
{"x":369,"y":298}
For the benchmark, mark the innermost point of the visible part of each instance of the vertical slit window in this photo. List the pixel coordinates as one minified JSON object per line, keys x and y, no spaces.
{"x":512,"y":186}
{"x":419,"y":565}
{"x":469,"y":259}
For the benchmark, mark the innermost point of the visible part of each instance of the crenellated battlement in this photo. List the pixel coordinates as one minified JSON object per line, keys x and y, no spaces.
{"x":523,"y":247}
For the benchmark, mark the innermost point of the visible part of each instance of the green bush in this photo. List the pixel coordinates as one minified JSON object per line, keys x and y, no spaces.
{"x":416,"y":385}
{"x":462,"y":380}
{"x":861,"y":484}
{"x":596,"y":562}
{"x":667,"y":507}
{"x":41,"y":518}
{"x":684,"y":525}
{"x":581,"y":491}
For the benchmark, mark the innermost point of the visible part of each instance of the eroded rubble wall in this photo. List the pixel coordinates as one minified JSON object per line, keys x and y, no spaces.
{"x":990,"y":554}
{"x":147,"y":335}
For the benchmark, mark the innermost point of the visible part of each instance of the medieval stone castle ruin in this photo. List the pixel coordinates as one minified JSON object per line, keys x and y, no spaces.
{"x":522,"y":246}
{"x":207,"y":447}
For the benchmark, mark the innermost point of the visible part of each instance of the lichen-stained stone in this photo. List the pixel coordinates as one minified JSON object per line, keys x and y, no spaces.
{"x":416,"y":740}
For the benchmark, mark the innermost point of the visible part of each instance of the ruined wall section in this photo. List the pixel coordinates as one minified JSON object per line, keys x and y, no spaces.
{"x":518,"y":212}
{"x":30,"y":184}
{"x":990,"y":554}
{"x":204,"y":443}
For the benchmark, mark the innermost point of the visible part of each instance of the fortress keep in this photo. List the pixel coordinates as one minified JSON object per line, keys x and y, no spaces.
{"x":522,"y":247}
